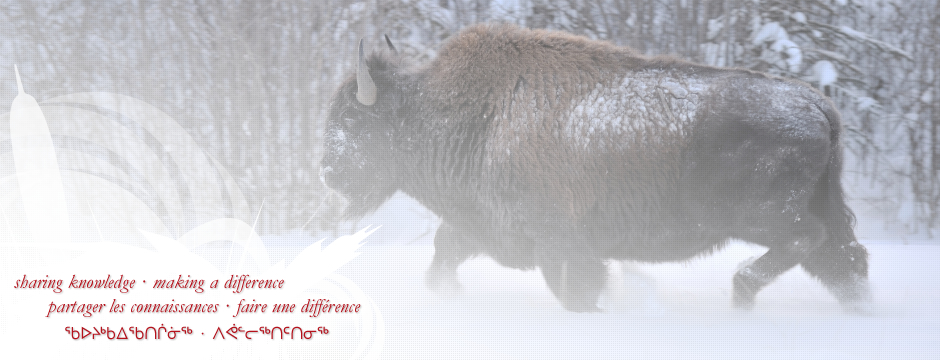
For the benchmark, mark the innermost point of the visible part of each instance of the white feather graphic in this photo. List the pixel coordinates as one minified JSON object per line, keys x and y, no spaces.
{"x":37,"y":170}
{"x":108,"y":219}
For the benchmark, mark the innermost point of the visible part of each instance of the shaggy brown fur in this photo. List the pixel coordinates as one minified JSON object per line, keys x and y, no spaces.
{"x":543,"y":149}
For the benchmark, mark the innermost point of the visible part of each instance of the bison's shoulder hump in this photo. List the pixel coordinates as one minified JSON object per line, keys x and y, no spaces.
{"x":499,"y":53}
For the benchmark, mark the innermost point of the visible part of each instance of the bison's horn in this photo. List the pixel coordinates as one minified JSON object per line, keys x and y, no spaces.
{"x":390,"y":46}
{"x":366,"y":92}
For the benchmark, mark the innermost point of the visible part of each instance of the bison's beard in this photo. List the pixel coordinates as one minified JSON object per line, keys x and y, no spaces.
{"x":362,"y":205}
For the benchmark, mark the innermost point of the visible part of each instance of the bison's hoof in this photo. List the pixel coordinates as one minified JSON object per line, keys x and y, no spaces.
{"x":860,"y":302}
{"x":444,"y":284}
{"x":863,"y":308}
{"x":629,"y":290}
{"x":855,"y":296}
{"x":578,"y":302}
{"x":582,"y":307}
{"x":743,"y":302}
{"x":745,"y":289}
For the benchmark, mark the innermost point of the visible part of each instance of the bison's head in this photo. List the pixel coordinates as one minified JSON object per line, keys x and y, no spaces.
{"x":359,"y":158}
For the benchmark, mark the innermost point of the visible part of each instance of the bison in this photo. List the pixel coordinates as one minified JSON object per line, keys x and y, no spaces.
{"x":546,"y":150}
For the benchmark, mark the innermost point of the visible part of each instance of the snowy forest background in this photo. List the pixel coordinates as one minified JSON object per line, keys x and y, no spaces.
{"x":250,"y":81}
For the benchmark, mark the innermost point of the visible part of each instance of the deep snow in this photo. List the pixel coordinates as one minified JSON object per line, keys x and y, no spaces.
{"x":673,"y":310}
{"x":655,"y":311}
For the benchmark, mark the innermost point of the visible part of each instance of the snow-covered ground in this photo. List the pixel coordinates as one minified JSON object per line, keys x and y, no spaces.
{"x":675,"y":310}
{"x":667,"y":311}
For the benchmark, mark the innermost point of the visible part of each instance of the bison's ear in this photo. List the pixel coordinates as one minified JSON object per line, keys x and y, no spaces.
{"x":390,"y":46}
{"x":366,"y":92}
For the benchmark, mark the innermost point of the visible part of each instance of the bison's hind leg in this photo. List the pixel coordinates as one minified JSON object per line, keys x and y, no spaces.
{"x":451,"y":248}
{"x":841,"y":264}
{"x":843,"y":269}
{"x":789,"y":243}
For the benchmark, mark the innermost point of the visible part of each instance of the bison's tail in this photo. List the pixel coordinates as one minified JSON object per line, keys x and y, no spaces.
{"x":841,"y":263}
{"x":829,"y":199}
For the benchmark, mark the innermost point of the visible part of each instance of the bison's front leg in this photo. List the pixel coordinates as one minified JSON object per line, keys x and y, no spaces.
{"x":571,"y":270}
{"x":451,"y":248}
{"x":577,"y":283}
